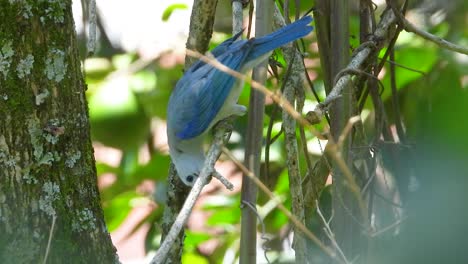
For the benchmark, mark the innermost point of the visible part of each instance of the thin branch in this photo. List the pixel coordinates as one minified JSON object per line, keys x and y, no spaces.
{"x":391,"y":62}
{"x":353,"y":120}
{"x":329,"y":232}
{"x":293,"y":82}
{"x":205,"y":174}
{"x":49,"y":241}
{"x":409,"y":27}
{"x":223,"y":180}
{"x":269,"y":141}
{"x":389,"y":227}
{"x":263,"y":236}
{"x":237,"y":16}
{"x":395,"y":102}
{"x":91,"y":44}
{"x":253,"y":148}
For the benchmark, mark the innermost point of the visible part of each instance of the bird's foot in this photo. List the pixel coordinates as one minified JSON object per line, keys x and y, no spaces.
{"x":225,"y":124}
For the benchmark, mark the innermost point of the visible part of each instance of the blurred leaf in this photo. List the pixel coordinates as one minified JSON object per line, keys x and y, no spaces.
{"x":193,"y":258}
{"x":122,"y":61}
{"x":117,"y":209}
{"x":143,"y":81}
{"x":128,"y":166}
{"x":223,"y":201}
{"x":117,"y":119}
{"x":433,"y":115}
{"x":155,"y":101}
{"x":170,"y":9}
{"x":153,"y":238}
{"x":193,"y":239}
{"x":278,"y":219}
{"x":97,"y":69}
{"x":157,"y":168}
{"x":420,"y":58}
{"x":224,"y":216}
{"x":106,"y":168}
{"x":150,"y":219}
{"x":282,"y":187}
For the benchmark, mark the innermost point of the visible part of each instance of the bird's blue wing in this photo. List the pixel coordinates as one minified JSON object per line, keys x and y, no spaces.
{"x":217,"y":51}
{"x":202,"y":91}
{"x":284,"y":35}
{"x":200,"y":94}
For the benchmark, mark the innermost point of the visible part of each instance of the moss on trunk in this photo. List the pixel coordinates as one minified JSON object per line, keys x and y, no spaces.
{"x":47,"y":168}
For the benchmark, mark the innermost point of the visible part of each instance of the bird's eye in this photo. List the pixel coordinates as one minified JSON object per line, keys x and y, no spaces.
{"x":191,"y":177}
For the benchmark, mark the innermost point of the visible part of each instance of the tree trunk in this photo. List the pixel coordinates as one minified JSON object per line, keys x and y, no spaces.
{"x":49,"y":200}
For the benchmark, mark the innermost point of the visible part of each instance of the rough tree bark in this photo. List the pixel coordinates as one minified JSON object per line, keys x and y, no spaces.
{"x":48,"y":187}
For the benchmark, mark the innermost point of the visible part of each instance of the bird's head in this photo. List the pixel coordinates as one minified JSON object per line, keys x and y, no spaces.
{"x":188,"y":166}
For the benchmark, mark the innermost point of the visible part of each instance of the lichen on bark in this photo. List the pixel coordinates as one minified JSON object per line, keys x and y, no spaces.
{"x":47,"y":169}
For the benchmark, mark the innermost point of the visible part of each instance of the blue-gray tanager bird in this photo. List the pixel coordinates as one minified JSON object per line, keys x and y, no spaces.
{"x":206,"y":95}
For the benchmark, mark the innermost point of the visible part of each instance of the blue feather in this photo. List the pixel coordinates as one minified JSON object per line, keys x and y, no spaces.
{"x":202,"y":91}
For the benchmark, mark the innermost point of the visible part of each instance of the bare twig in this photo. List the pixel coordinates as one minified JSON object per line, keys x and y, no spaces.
{"x":91,"y":45}
{"x":293,"y":82}
{"x":49,"y":241}
{"x":269,"y":141}
{"x":253,"y":146}
{"x":263,"y":236}
{"x":389,"y":227}
{"x":329,"y":232}
{"x":353,"y":120}
{"x":408,"y":26}
{"x":223,"y":180}
{"x":237,"y":16}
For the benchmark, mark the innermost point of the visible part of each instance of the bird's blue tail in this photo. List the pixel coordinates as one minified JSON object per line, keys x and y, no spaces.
{"x":282,"y":36}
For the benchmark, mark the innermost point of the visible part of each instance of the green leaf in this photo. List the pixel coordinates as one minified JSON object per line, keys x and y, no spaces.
{"x":102,"y":168}
{"x":193,"y":258}
{"x":157,"y":168}
{"x":170,"y":9}
{"x":117,"y":118}
{"x":420,"y":58}
{"x":224,"y":216}
{"x":221,"y":201}
{"x":193,"y":239}
{"x":155,"y":101}
{"x":117,"y":209}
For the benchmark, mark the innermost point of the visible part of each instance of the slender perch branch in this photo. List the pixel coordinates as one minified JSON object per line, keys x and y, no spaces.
{"x":253,"y":139}
{"x":293,"y":84}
